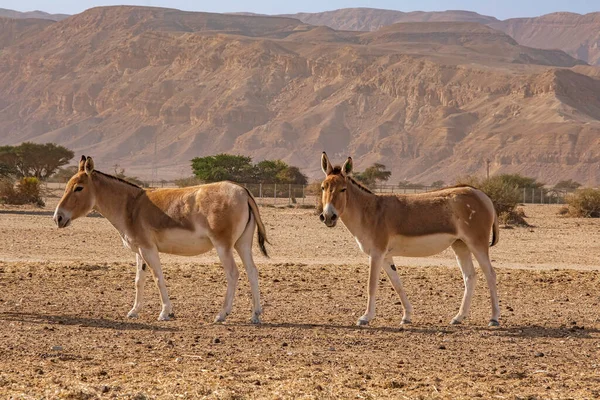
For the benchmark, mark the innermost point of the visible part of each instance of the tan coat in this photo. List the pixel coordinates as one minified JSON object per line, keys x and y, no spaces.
{"x":416,"y":225}
{"x":184,"y":221}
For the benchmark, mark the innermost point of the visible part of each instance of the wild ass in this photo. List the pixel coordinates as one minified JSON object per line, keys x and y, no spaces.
{"x":186,"y":221}
{"x":416,"y":225}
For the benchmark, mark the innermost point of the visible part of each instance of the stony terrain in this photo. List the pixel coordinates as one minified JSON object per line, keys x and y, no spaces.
{"x":64,"y":296}
{"x":429,"y":100}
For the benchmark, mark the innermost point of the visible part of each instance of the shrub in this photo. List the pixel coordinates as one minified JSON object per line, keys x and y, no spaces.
{"x":584,"y":203}
{"x":27,"y":191}
{"x":189,"y":181}
{"x":504,"y":194}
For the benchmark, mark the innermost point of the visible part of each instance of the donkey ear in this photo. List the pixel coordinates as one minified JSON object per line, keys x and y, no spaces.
{"x":347,"y":167}
{"x":325,"y":164}
{"x":82,"y":164}
{"x":89,"y":166}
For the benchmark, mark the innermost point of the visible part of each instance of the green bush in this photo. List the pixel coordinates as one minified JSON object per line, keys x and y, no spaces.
{"x":27,"y":191}
{"x":584,"y":203}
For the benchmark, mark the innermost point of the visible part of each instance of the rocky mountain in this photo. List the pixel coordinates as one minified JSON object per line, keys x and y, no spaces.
{"x":371,"y":19}
{"x":31,"y":14}
{"x":139,"y":86}
{"x":12,"y":31}
{"x":578,"y":35}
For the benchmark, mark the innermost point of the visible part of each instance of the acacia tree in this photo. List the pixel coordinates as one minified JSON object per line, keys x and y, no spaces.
{"x":569,"y":184}
{"x":291,"y":175}
{"x":240,"y":169}
{"x":223,"y":167}
{"x":374,"y":174}
{"x":35,"y":160}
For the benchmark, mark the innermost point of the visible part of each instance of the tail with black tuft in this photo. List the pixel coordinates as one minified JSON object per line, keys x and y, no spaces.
{"x":262,"y":232}
{"x":495,"y":230}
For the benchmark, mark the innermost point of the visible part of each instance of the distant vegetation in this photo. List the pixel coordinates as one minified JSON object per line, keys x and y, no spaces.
{"x":376,"y":173}
{"x":23,"y":167}
{"x":26,"y":191}
{"x":569,"y":185}
{"x":240,"y":169}
{"x":584,"y":203}
{"x":33,"y":160}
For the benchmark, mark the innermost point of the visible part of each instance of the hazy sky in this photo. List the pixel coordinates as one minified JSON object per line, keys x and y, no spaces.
{"x":501,"y":9}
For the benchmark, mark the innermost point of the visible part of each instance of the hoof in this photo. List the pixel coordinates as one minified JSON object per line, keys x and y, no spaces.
{"x":493,"y":322}
{"x":455,"y":322}
{"x":362,"y":322}
{"x":219,"y":319}
{"x":132,"y":314}
{"x":166,"y":317}
{"x":405,"y":322}
{"x":255,"y":320}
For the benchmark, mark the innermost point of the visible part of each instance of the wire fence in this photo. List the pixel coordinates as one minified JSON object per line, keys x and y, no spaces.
{"x":275,"y":194}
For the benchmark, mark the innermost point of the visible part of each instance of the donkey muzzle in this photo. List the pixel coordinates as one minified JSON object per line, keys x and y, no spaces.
{"x":61,"y":219}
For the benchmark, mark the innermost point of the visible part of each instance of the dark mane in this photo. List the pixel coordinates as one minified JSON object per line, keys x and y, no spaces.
{"x":337,"y":170}
{"x":459,"y":185}
{"x":117,"y":179}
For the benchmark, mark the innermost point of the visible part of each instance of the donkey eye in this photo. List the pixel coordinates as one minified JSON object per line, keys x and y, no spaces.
{"x":78,"y":189}
{"x":322,"y":187}
{"x":343,"y":190}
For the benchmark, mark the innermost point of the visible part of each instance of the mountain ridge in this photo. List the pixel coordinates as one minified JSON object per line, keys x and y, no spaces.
{"x":431,"y":101}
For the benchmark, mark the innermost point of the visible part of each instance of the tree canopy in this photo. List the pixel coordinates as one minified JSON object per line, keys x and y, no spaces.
{"x":374,"y":174}
{"x":33,"y":159}
{"x":568,"y":184}
{"x":240,"y":169}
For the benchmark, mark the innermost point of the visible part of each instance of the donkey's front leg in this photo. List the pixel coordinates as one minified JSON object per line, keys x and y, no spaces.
{"x":140,"y":282}
{"x":152,"y":259}
{"x":375,"y":261}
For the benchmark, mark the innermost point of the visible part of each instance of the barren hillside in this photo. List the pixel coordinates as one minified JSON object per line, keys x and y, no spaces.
{"x":31,"y":14}
{"x":371,"y":19}
{"x":12,"y":31}
{"x":578,"y":35}
{"x":432,"y":101}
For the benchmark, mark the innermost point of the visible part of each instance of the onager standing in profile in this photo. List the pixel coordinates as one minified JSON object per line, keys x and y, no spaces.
{"x":416,"y":225}
{"x":186,"y":221}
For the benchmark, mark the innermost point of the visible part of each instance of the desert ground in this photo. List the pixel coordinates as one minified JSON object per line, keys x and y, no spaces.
{"x":64,"y":296}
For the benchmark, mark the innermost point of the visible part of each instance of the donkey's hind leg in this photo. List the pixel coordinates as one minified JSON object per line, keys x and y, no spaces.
{"x":140,"y":283}
{"x":244,"y":248}
{"x":232,"y":274}
{"x":465,"y":262}
{"x":392,"y":273}
{"x":482,"y":256}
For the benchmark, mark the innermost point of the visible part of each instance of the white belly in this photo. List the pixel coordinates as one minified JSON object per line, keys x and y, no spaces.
{"x":419,"y":246}
{"x":182,"y":242}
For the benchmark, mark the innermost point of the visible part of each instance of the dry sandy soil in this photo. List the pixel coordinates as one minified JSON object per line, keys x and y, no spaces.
{"x":64,"y":296}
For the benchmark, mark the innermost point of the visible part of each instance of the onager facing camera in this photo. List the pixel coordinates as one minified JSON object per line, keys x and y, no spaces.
{"x":417,"y":225}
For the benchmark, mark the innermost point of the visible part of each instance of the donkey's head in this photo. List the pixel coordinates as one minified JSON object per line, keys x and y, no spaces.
{"x":333,"y":190}
{"x":79,"y":197}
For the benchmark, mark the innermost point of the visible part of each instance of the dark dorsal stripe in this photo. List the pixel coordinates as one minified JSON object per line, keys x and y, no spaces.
{"x":337,"y":170}
{"x":117,"y":179}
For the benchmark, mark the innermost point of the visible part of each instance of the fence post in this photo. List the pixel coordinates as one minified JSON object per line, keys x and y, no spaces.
{"x":524,"y":199}
{"x":303,"y":195}
{"x":260,"y":191}
{"x":289,"y":193}
{"x":542,"y":195}
{"x":532,"y":196}
{"x":274,"y":194}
